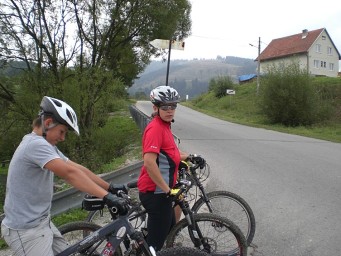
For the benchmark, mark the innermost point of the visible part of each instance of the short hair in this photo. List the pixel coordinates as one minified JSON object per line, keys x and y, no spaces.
{"x":37,"y":121}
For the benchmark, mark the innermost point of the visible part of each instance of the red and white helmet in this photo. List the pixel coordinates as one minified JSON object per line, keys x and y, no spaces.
{"x":61,"y":111}
{"x":164,"y":94}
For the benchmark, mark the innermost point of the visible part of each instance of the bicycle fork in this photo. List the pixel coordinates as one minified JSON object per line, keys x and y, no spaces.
{"x":194,"y":231}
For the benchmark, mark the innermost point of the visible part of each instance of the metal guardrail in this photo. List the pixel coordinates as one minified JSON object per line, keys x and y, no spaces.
{"x":140,"y":118}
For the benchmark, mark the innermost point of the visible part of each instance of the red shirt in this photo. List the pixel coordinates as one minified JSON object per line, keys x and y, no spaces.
{"x":158,"y":138}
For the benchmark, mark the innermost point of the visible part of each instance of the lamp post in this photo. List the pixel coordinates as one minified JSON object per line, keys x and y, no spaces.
{"x":258,"y":63}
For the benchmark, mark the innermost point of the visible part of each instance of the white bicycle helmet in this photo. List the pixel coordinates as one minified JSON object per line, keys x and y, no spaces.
{"x":164,"y":94}
{"x":61,"y":111}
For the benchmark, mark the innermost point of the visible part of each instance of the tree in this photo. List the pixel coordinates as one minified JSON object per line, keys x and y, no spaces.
{"x":84,"y":52}
{"x":219,"y":85}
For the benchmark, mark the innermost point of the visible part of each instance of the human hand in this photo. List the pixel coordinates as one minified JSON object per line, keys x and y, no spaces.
{"x":173,"y":193}
{"x":116,"y":204}
{"x":197,"y":159}
{"x":114,"y":188}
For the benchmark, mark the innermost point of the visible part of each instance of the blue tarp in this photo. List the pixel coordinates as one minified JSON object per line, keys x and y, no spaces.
{"x":245,"y":78}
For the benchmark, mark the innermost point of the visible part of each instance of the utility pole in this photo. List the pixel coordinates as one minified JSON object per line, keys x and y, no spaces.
{"x":168,"y":62}
{"x":258,"y":65}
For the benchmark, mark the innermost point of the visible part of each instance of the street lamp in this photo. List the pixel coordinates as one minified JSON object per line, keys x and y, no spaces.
{"x":258,"y":64}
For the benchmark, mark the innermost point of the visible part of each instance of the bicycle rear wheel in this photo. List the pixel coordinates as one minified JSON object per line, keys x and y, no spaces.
{"x":73,"y":232}
{"x":233,"y":207}
{"x":220,"y":235}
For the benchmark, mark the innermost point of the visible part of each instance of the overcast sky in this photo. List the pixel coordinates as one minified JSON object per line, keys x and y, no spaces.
{"x":226,"y":28}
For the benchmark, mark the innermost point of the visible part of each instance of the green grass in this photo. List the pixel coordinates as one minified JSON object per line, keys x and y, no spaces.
{"x":244,"y":108}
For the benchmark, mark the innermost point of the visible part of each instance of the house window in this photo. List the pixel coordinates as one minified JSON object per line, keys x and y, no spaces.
{"x":331,"y":66}
{"x":323,"y":37}
{"x":323,"y":64}
{"x":316,"y":64}
{"x":318,"y":48}
{"x":329,"y":50}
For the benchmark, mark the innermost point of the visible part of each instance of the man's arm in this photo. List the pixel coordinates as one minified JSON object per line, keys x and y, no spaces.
{"x":77,"y":177}
{"x":94,"y":177}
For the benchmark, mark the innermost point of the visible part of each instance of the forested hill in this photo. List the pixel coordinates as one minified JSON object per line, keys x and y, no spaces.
{"x":191,"y":77}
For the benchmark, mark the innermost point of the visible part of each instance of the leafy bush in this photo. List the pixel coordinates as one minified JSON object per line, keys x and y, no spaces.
{"x":113,"y":140}
{"x":288,"y":96}
{"x":220,"y":85}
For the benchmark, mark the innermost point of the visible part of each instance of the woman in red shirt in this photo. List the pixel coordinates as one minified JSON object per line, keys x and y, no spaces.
{"x":161,"y":158}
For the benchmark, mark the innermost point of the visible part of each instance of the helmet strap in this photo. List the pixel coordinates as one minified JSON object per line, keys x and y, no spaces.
{"x":43,"y":125}
{"x":45,"y":129}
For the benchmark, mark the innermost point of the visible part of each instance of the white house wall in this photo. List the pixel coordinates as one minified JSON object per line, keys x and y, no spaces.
{"x":265,"y":65}
{"x":324,"y":57}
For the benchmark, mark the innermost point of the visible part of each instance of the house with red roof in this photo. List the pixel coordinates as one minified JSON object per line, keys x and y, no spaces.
{"x":313,"y":50}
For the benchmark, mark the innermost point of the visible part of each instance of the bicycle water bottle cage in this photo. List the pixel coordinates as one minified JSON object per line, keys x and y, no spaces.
{"x":92,"y":203}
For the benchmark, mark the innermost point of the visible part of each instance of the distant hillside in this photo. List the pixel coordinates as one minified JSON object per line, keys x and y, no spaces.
{"x":191,"y":77}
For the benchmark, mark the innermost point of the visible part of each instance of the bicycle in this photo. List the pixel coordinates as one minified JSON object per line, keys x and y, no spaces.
{"x":221,"y":202}
{"x":93,"y":239}
{"x":206,"y":231}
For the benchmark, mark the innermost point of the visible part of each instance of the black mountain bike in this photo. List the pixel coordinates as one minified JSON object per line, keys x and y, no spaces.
{"x":222,"y":202}
{"x":87,"y":238}
{"x":209,"y":232}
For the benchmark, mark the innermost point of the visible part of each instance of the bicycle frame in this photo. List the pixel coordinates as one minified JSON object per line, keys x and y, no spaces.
{"x":114,"y":233}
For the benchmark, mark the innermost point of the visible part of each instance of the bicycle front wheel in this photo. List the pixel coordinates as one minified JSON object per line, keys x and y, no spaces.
{"x":231,"y":206}
{"x":74,"y":232}
{"x":220,"y":236}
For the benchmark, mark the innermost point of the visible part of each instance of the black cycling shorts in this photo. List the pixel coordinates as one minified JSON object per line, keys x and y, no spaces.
{"x":161,"y":217}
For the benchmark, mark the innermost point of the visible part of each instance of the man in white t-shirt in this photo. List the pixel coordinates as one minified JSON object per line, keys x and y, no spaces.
{"x":27,"y":227}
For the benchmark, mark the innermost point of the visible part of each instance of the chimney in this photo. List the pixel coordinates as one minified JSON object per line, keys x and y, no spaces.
{"x":304,"y":33}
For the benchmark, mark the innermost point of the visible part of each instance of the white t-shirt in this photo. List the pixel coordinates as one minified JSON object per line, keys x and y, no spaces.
{"x":29,"y":188}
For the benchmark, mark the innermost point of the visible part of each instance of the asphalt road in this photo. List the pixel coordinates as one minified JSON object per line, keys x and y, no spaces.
{"x":292,"y":183}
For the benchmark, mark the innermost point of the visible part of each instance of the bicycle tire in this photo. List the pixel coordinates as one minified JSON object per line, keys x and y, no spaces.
{"x":183,"y":251}
{"x":75,"y":231}
{"x":223,"y":236}
{"x":233,"y":207}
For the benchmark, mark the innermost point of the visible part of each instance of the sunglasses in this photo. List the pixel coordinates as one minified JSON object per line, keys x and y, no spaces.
{"x":167,"y":107}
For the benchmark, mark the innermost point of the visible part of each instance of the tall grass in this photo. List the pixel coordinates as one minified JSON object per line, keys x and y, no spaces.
{"x":244,"y":108}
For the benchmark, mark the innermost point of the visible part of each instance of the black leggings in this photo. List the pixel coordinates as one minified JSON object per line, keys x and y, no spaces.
{"x":161,"y":217}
